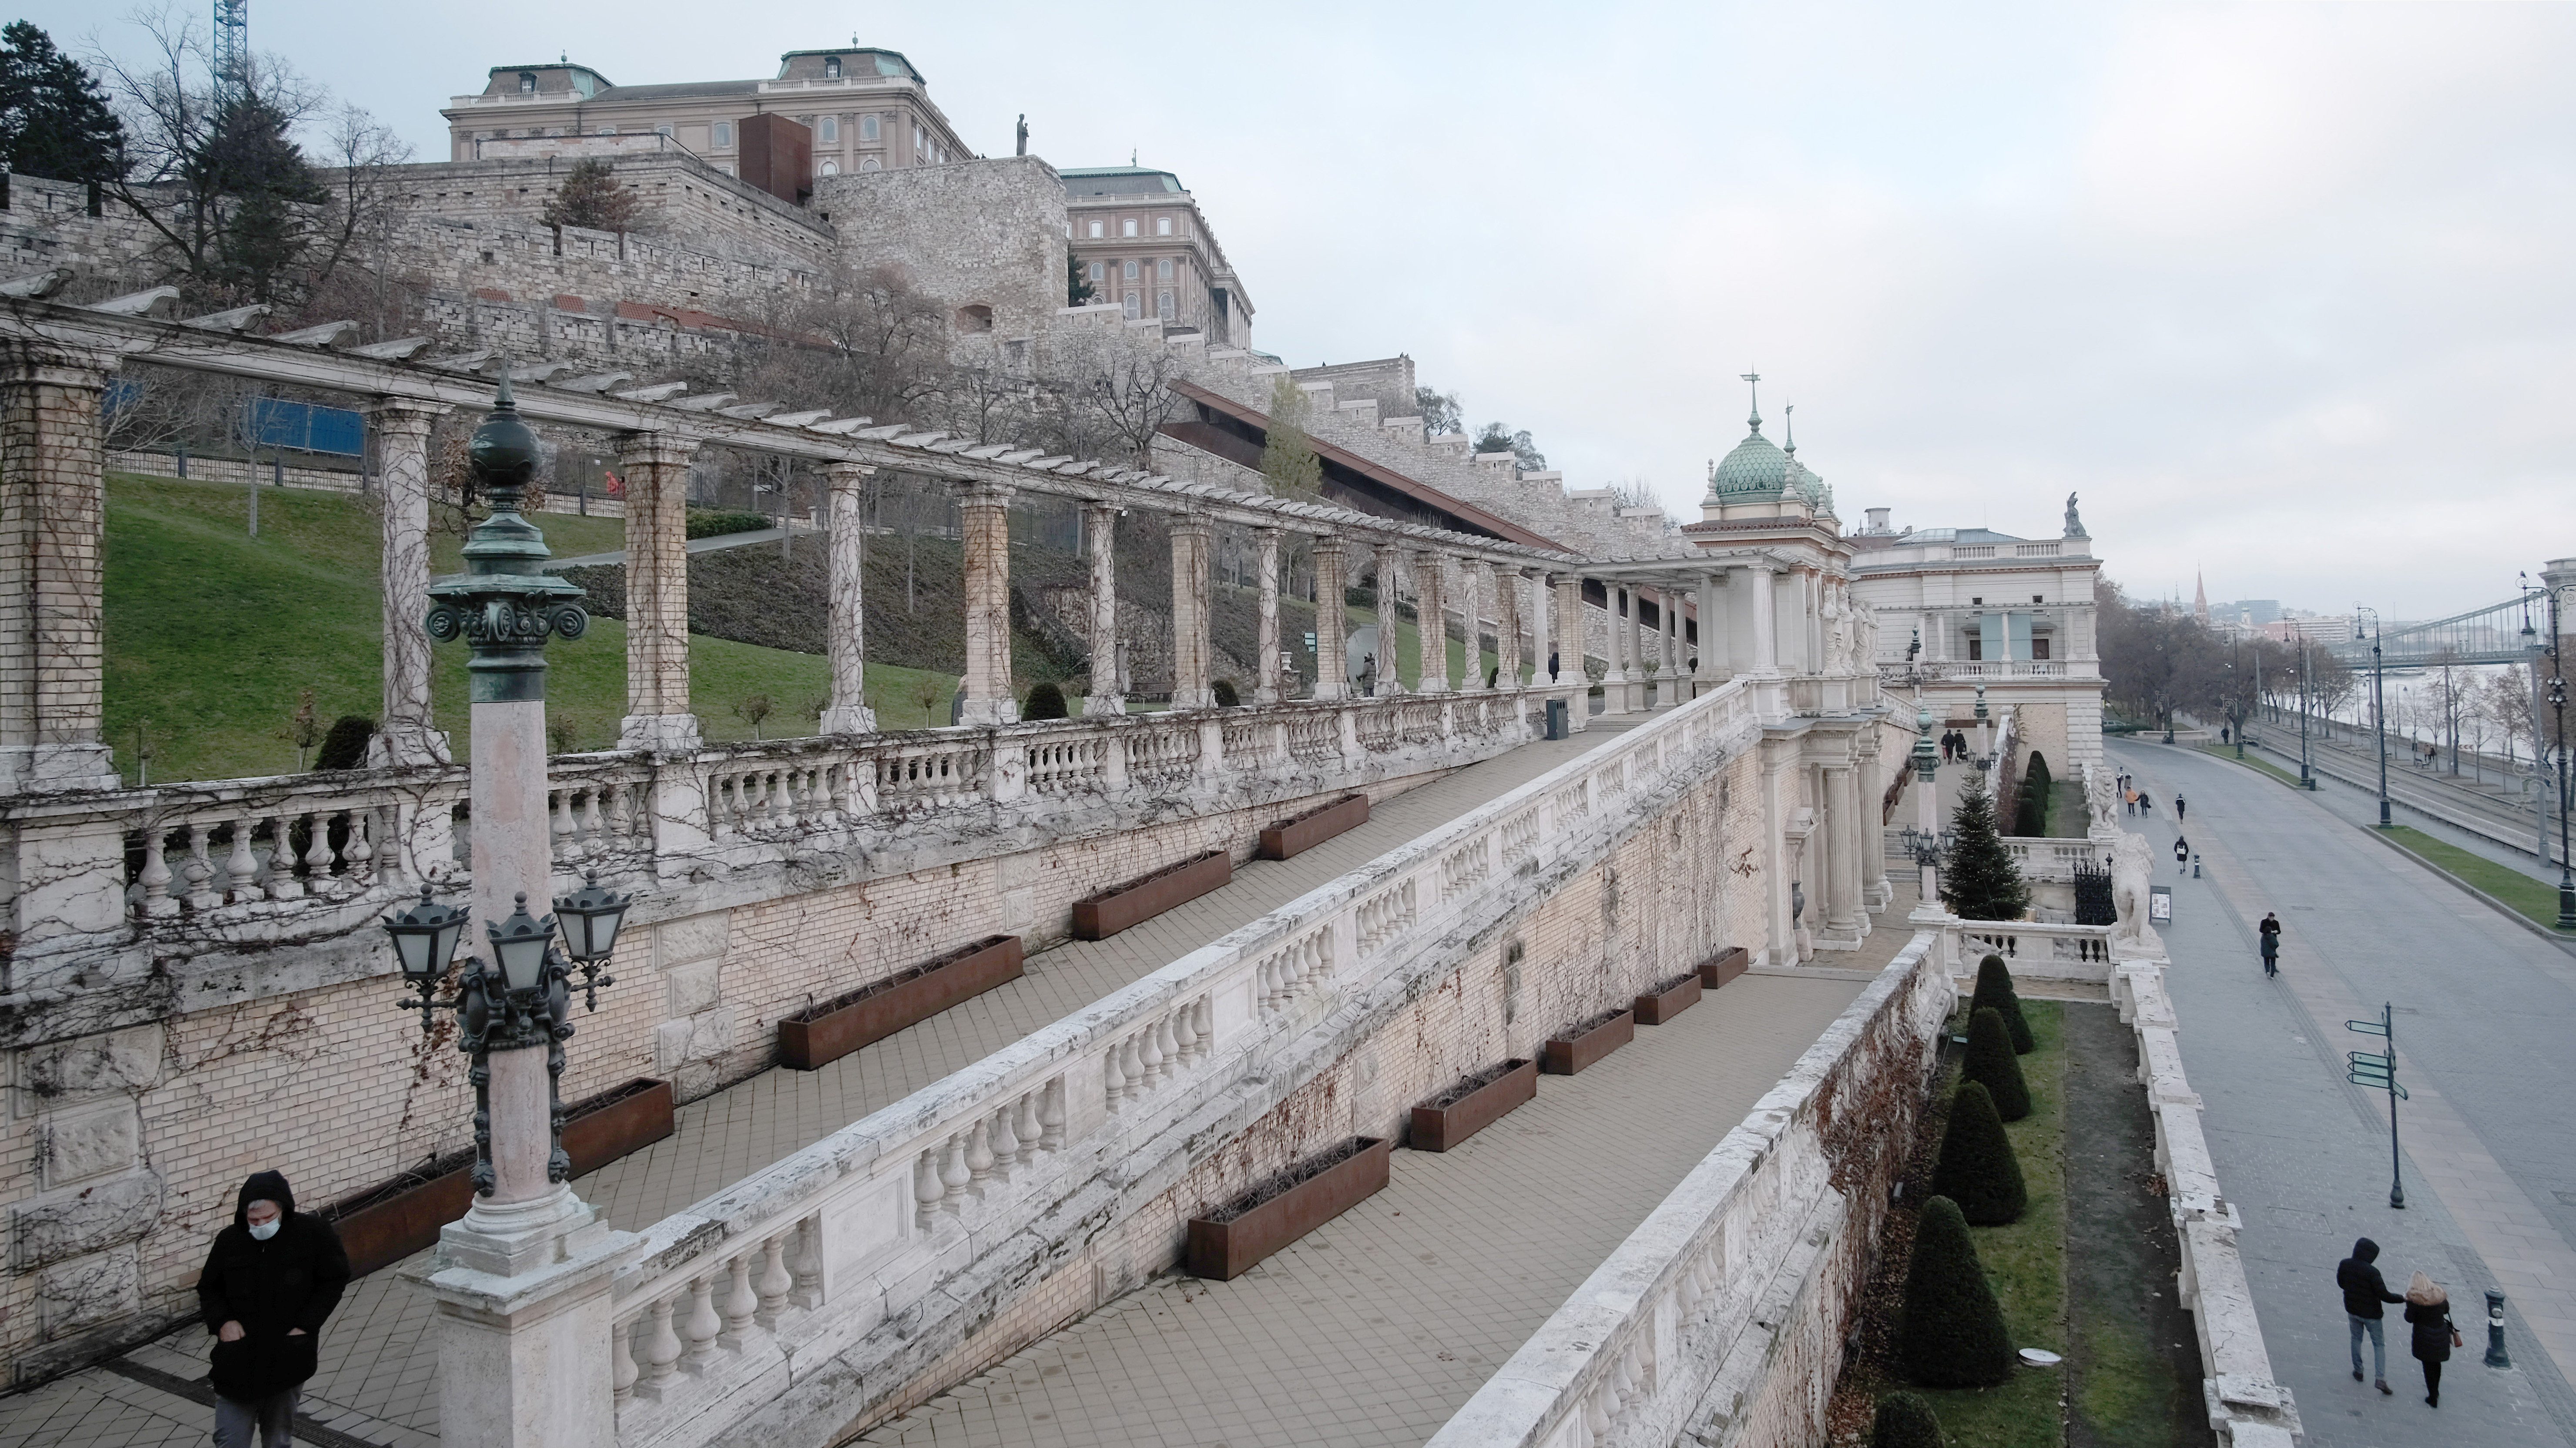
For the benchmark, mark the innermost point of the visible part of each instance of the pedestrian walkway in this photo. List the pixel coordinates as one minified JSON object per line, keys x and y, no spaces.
{"x":2483,"y":1009}
{"x":695,"y":546}
{"x":377,"y":1377}
{"x":1374,"y":1328}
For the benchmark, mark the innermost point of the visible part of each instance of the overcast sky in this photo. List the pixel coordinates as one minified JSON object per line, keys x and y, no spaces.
{"x":2284,"y":292}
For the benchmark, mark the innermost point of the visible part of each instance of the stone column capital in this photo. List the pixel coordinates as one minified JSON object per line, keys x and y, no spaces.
{"x":1267,"y":533}
{"x":848,"y":474}
{"x":666,"y":449}
{"x":409,"y":416}
{"x":31,"y":359}
{"x":1197,"y":523}
{"x":982,"y":493}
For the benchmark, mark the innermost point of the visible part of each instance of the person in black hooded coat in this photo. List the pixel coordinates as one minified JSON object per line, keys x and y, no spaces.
{"x":2364,"y":1294}
{"x":271,"y":1281}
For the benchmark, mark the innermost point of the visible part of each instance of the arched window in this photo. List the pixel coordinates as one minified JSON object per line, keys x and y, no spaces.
{"x":831,"y":168}
{"x":1099,"y":229}
{"x":870,"y":163}
{"x":1135,"y":305}
{"x":831,"y":132}
{"x":868,"y":128}
{"x":1162,"y":226}
{"x":1127,"y":226}
{"x":1163,"y":269}
{"x":831,"y":67}
{"x":1128,"y":272}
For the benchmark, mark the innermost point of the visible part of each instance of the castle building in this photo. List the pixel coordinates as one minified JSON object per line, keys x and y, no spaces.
{"x":865,"y":109}
{"x":1142,"y":242}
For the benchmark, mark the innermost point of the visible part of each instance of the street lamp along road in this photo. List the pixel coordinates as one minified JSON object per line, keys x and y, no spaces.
{"x":2378,"y":699}
{"x":2557,"y":700}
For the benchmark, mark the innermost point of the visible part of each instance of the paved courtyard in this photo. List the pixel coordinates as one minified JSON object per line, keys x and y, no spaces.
{"x":377,"y":1383}
{"x":2484,"y":1011}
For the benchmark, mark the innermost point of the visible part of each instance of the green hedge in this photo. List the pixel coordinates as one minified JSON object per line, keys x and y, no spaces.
{"x":708,"y":523}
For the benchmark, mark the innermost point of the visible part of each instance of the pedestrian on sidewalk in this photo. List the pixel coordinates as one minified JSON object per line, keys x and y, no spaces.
{"x":271,"y":1280}
{"x":2146,"y":803}
{"x":2364,"y":1290}
{"x":2270,"y":931}
{"x":2182,"y":854}
{"x":2428,"y":1308}
{"x":2178,"y":809}
{"x":2129,"y":797}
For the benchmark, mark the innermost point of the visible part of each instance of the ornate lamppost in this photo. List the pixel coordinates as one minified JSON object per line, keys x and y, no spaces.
{"x":1923,"y":837}
{"x":514,"y":1002}
{"x":2378,"y":699}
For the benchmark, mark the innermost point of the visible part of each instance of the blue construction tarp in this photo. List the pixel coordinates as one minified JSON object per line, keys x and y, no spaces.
{"x":305,"y":428}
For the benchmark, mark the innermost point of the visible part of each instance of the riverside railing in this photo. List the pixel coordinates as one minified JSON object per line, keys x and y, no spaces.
{"x":943,"y":1195}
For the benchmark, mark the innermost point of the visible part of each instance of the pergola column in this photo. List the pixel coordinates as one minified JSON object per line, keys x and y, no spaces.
{"x":984,"y":510}
{"x":1568,"y":647}
{"x":1668,"y":679}
{"x":1332,"y":667}
{"x":1265,"y":672}
{"x":1100,"y":530}
{"x":1508,"y":583}
{"x":658,"y":716}
{"x":848,"y":712}
{"x":1191,"y":536}
{"x":1470,"y":605}
{"x":405,"y":734}
{"x":1431,"y":623}
{"x":1389,"y":590}
{"x":1632,"y":656}
{"x":1712,"y":668}
{"x":1614,"y":673}
{"x":53,"y":504}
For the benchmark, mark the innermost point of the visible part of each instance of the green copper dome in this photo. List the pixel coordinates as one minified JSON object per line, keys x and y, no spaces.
{"x":1757,"y":471}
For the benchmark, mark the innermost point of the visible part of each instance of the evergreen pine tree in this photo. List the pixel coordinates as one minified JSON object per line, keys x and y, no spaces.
{"x":1077,"y":287}
{"x":591,"y":198}
{"x":54,"y":119}
{"x":1981,"y":882}
{"x":262,"y":182}
{"x":1954,"y":1334}
{"x":1978,"y":1168}
{"x":1992,"y":1063}
{"x":1288,"y":461}
{"x":1905,"y":1420}
{"x":1995,"y":988}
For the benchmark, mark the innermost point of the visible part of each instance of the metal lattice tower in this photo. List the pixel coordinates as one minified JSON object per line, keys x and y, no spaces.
{"x":232,"y":48}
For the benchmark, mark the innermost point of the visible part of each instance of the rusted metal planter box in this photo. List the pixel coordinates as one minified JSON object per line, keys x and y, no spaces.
{"x":1223,"y":1251}
{"x":1658,"y":1006}
{"x":1581,"y":1047}
{"x":381,"y":1227}
{"x":826,"y":1032}
{"x":1105,"y":914}
{"x":1438,"y":1128}
{"x":1294,"y":836}
{"x":1724,"y":966}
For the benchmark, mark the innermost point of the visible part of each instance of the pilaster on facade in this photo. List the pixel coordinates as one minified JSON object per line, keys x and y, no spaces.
{"x":984,"y":511}
{"x":848,"y":711}
{"x":659,"y":717}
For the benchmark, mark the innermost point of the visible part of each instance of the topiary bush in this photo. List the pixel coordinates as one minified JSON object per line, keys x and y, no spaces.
{"x":1978,"y":1169}
{"x":1905,"y":1420}
{"x":1226,"y":698}
{"x":1995,"y":988}
{"x":1992,"y":1064}
{"x":345,"y":747}
{"x":1954,"y":1334}
{"x":1046,"y":701}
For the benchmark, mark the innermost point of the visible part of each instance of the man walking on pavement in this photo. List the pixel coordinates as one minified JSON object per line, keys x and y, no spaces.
{"x":2182,"y":854}
{"x":2364,"y":1292}
{"x":271,"y":1280}
{"x":2177,"y":809}
{"x":2270,"y":930}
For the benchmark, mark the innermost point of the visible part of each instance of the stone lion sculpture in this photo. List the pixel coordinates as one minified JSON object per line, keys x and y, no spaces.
{"x":2101,"y":798}
{"x":2131,"y":867}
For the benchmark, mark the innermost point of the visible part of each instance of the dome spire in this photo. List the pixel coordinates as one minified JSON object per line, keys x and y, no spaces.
{"x":1789,"y":414}
{"x":1755,"y":421}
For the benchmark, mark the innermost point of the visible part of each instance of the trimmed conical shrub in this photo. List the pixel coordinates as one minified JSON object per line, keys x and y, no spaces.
{"x":1978,"y":1169}
{"x":1991,"y":1062}
{"x":1905,"y":1420}
{"x":1995,"y":988}
{"x":1954,"y":1334}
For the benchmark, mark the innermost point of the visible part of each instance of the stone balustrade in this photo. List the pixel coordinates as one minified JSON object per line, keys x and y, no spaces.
{"x":1722,"y":1313}
{"x":916,"y":1212}
{"x":2040,"y":951}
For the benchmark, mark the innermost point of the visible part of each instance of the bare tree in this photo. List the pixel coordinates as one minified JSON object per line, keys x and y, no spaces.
{"x":862,"y":341}
{"x":1127,"y":391}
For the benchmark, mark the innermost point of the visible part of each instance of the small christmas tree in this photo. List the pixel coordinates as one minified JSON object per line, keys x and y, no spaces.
{"x":1991,"y":1062}
{"x":1995,"y":988}
{"x":1905,"y":1420}
{"x":1954,"y":1334}
{"x":591,"y":197}
{"x":1981,"y":883}
{"x":1978,"y":1169}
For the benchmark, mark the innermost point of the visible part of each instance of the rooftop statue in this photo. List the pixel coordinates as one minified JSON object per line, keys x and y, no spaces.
{"x":2074,"y":523}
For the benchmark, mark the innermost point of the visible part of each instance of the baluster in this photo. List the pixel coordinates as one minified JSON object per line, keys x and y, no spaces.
{"x":1185,"y":1035}
{"x":594,"y":823}
{"x":662,"y":1347}
{"x":1167,"y":1048}
{"x":927,"y":1189}
{"x":622,"y":1371}
{"x":979,"y":1158}
{"x":766,"y":782}
{"x":155,"y":877}
{"x":1205,"y":1015}
{"x":1051,"y":1116}
{"x":200,"y":871}
{"x":282,"y":884}
{"x":775,"y":1282}
{"x":559,"y":810}
{"x":1131,"y":1065}
{"x":837,"y":779}
{"x":360,"y":852}
{"x":317,"y":849}
{"x":954,"y":1175}
{"x":1006,"y":1143}
{"x":1149,"y":1058}
{"x":621,"y":813}
{"x":703,"y":1324}
{"x":808,"y":1265}
{"x":1031,"y":1134}
{"x":741,"y":1304}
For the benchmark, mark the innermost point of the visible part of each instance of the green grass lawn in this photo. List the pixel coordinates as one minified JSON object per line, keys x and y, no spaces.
{"x":2026,"y":1261}
{"x":212,"y":635}
{"x":2251,"y":761}
{"x":2067,"y":816}
{"x":1408,"y":653}
{"x":2535,"y":899}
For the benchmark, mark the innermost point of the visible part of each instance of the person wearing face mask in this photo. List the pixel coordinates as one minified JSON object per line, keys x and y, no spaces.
{"x":271,"y":1280}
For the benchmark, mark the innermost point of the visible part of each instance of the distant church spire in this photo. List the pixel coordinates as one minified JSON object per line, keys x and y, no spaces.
{"x":2199,"y":597}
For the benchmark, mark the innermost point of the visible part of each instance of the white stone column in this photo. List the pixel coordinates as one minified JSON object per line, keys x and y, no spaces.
{"x":1614,"y":652}
{"x":847,"y":639}
{"x":1470,"y":605}
{"x":1266,"y":688}
{"x":984,"y":510}
{"x":1763,"y":585}
{"x":1431,"y":623}
{"x":1509,"y":583}
{"x":1191,"y":536}
{"x":1389,"y":591}
{"x":53,"y":505}
{"x":1332,"y":666}
{"x":1632,"y":653}
{"x":1100,"y":531}
{"x":405,"y":734}
{"x":1712,"y":669}
{"x":1567,"y":642}
{"x":1668,"y":681}
{"x":658,"y":715}
{"x":1842,"y":864}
